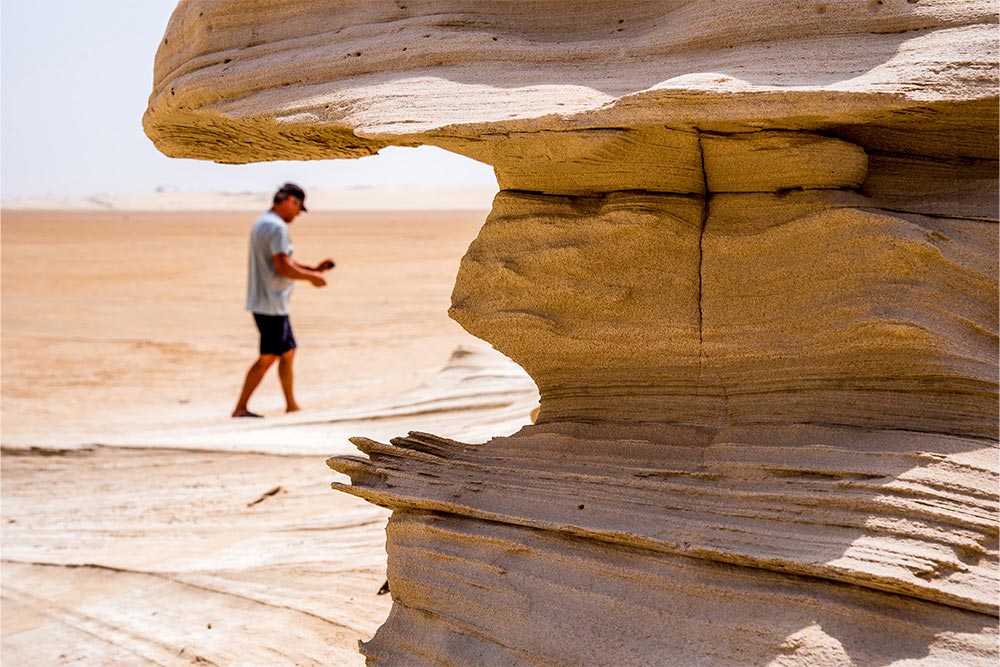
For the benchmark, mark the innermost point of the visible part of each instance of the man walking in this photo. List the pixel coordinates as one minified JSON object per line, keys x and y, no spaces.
{"x":272,"y":273}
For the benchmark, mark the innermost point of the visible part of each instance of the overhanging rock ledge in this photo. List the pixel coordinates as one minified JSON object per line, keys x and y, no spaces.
{"x":750,"y":259}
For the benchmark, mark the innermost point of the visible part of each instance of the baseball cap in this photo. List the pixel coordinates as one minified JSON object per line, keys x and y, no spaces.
{"x":294,"y":191}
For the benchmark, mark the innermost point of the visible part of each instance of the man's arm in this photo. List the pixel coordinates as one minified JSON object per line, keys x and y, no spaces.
{"x":287,"y":267}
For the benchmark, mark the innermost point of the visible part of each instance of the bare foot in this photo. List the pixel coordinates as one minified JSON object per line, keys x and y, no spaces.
{"x":246,"y":413}
{"x":293,"y":408}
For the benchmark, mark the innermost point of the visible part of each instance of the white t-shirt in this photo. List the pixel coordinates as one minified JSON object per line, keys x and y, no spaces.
{"x":268,"y":292}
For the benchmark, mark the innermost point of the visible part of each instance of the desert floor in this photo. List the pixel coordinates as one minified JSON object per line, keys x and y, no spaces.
{"x":142,"y":525}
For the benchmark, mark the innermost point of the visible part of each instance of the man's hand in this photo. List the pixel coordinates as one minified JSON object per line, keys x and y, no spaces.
{"x":289,"y":268}
{"x":325,"y":265}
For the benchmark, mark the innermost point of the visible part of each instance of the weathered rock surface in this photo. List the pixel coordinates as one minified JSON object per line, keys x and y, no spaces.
{"x":750,"y":259}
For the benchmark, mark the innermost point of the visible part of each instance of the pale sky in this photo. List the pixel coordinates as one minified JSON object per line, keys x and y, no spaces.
{"x":74,"y":80}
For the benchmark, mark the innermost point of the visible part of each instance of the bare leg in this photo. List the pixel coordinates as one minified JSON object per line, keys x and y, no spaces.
{"x":254,"y":376}
{"x":287,"y":376}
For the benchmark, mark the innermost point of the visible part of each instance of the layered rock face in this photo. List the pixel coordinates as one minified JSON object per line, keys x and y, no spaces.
{"x":750,"y":259}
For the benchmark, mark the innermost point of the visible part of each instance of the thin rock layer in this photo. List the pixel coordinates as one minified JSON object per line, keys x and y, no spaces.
{"x":749,"y":258}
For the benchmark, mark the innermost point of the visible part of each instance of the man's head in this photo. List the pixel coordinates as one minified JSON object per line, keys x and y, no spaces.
{"x":289,"y":201}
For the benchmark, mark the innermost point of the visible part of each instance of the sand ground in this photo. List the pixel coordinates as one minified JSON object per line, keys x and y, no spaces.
{"x":117,"y":321}
{"x":142,"y":525}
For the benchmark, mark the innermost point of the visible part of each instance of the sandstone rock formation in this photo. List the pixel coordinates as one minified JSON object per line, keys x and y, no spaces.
{"x":747,"y":251}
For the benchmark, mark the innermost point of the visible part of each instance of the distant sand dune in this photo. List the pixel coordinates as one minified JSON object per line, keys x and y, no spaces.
{"x":351,"y":199}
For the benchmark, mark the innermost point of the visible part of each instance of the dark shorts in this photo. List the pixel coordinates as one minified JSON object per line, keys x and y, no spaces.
{"x":275,"y":334}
